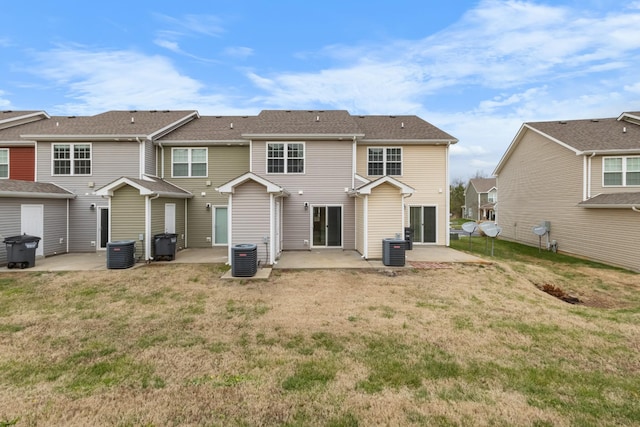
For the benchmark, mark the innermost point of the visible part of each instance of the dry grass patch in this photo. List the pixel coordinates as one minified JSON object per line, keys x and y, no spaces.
{"x":175,"y":345}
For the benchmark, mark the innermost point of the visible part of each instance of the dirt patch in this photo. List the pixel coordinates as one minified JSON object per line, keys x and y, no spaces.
{"x":559,"y":293}
{"x":429,"y":265}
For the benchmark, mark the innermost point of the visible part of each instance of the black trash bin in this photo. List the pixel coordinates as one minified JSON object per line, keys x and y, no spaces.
{"x":21,"y":250}
{"x":121,"y":254}
{"x":393,"y":252}
{"x":244,"y":260}
{"x":164,"y":245}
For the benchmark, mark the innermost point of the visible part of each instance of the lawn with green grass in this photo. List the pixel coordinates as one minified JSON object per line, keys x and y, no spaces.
{"x":477,"y":344}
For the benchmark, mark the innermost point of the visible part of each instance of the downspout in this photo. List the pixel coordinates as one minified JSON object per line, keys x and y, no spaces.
{"x":353,"y":163}
{"x":589,"y":176}
{"x":147,"y":227}
{"x":141,"y":158}
{"x":365,"y":226}
{"x":161,"y":160}
{"x":404,"y":210}
{"x":68,"y":225}
{"x":186,"y":222}
{"x":447,"y":198}
{"x":633,"y":208}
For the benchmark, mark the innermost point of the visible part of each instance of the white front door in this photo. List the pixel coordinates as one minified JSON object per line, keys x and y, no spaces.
{"x":170,"y":218}
{"x":32,"y":223}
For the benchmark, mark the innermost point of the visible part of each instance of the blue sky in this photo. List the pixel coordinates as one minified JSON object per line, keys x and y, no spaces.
{"x":476,"y":69}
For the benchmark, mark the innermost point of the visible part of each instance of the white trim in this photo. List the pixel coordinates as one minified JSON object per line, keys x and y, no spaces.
{"x":286,"y":157}
{"x":385,"y":161}
{"x":271,"y":223}
{"x":623,"y":172}
{"x":8,"y":163}
{"x":99,"y":226}
{"x":365,"y":228}
{"x":447,"y":234}
{"x":367,"y":188}
{"x":229,"y":228}
{"x":71,"y":158}
{"x":229,"y":187}
{"x":190,"y":162}
{"x":437,"y":222}
{"x":214,"y":235}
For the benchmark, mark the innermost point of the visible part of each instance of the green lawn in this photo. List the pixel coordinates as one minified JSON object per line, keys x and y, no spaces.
{"x":458,"y":345}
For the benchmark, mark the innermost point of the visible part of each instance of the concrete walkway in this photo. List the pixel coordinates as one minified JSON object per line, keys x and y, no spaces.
{"x":419,"y":257}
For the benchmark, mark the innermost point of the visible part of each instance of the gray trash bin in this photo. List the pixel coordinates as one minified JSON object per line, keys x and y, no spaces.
{"x":121,"y":254}
{"x":393,"y":252}
{"x":21,"y":250}
{"x":164,"y":245}
{"x":244,"y":260}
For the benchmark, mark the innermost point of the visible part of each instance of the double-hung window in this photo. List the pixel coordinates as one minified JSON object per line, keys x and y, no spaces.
{"x":621,"y":171}
{"x":4,"y":163}
{"x":189,"y":162}
{"x":384,"y":161}
{"x":71,"y":159}
{"x":285,"y":157}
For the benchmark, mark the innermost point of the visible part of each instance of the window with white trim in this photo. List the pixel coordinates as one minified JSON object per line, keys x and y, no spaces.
{"x":71,"y":159}
{"x":4,"y":163}
{"x":384,"y":161}
{"x":189,"y":162}
{"x":621,"y":171}
{"x":285,"y":157}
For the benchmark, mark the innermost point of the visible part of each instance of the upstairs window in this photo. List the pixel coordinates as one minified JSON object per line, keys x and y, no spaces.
{"x":189,"y":162}
{"x":384,"y":161}
{"x":621,"y":171}
{"x":71,"y":159}
{"x":4,"y":163}
{"x":285,"y":157}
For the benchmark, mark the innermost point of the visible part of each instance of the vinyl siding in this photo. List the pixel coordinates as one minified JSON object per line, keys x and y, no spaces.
{"x":22,"y":163}
{"x":543,"y":181}
{"x":328,"y":171}
{"x":129,"y":208}
{"x":224,"y":164}
{"x":158,"y":216}
{"x":385,"y":217}
{"x":55,"y":224}
{"x":150,"y":159}
{"x":424,"y":169}
{"x":250,"y":216}
{"x":471,"y":202}
{"x":597,"y":179}
{"x":360,"y":222}
{"x":109,"y":161}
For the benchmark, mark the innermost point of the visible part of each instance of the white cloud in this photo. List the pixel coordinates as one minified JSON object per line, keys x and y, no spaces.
{"x":238,"y":52}
{"x":99,"y":81}
{"x":209,"y":25}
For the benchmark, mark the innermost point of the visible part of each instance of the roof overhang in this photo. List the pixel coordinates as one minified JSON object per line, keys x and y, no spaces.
{"x":36,"y":195}
{"x":203,"y":143}
{"x":301,"y":136}
{"x":110,"y":188}
{"x":408,"y":141}
{"x":229,"y":187}
{"x":75,"y":138}
{"x":366,"y":189}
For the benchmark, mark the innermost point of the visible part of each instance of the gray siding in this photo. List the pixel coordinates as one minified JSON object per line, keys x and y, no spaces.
{"x":55,"y":224}
{"x":109,"y":161}
{"x":544,"y":181}
{"x":471,"y":203}
{"x":250,"y":216}
{"x":150,"y":158}
{"x":224,"y":164}
{"x":328,"y":171}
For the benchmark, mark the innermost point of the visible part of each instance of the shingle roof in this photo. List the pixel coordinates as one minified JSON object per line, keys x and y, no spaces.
{"x":613,"y":200}
{"x":400,"y":128}
{"x":158,"y":185}
{"x":9,"y":114}
{"x":17,"y":188}
{"x":111,"y":123}
{"x":483,"y":185}
{"x":211,"y":128}
{"x":304,"y":122}
{"x":593,"y":134}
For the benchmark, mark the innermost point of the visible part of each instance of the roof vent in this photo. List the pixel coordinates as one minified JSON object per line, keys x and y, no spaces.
{"x":133,"y":120}
{"x":402,"y":125}
{"x":624,"y":129}
{"x":230,"y":125}
{"x":562,"y":122}
{"x":317,"y":118}
{"x":595,"y":120}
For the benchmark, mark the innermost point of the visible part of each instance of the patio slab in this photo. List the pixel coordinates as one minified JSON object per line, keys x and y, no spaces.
{"x":313,"y":259}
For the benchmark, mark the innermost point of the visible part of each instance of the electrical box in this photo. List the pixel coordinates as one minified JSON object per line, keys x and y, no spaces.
{"x":547,"y":225}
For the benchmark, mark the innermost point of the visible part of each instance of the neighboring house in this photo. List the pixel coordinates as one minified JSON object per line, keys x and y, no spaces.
{"x":17,"y":156}
{"x":83,"y":154}
{"x":583,"y":178}
{"x":37,"y":209}
{"x":480,"y":198}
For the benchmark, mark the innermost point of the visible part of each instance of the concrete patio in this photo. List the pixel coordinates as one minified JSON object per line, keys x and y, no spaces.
{"x":313,"y":259}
